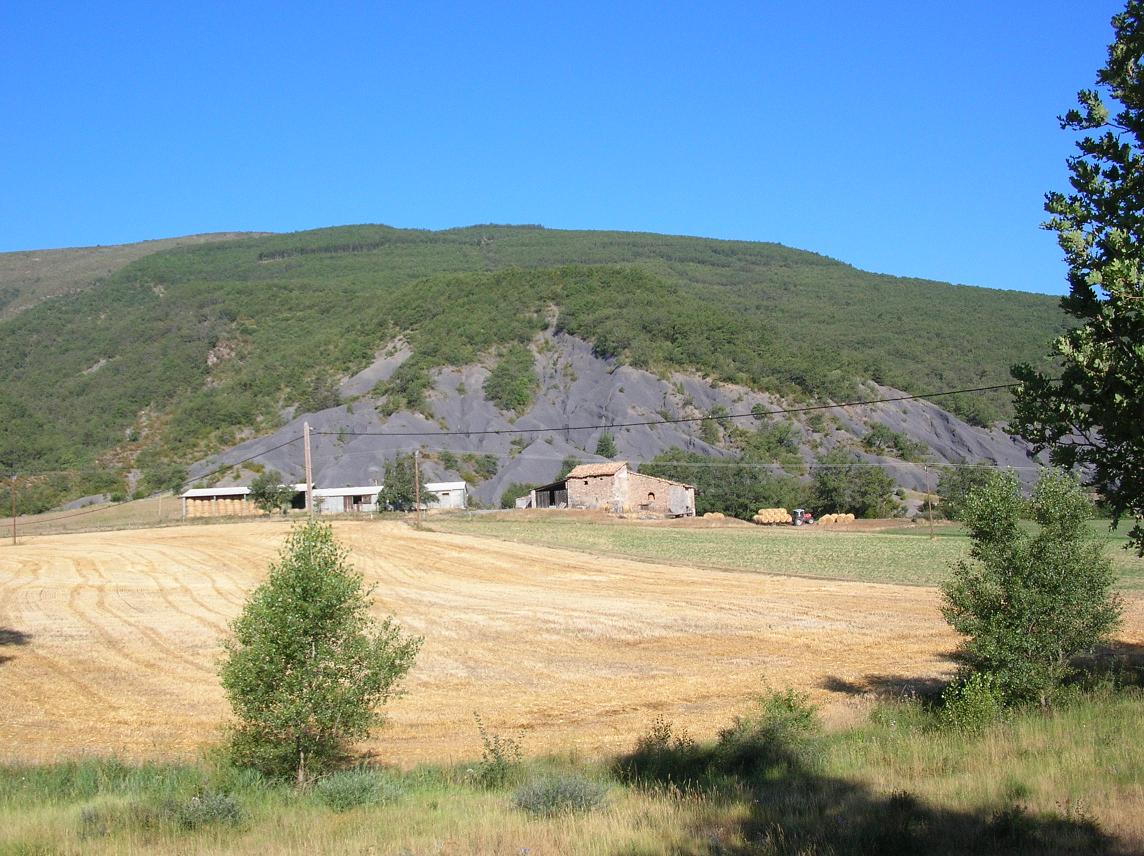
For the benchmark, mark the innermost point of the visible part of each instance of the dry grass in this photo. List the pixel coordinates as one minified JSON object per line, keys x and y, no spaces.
{"x":120,"y":639}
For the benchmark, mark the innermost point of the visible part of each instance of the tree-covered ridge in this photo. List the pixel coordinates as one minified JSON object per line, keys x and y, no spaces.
{"x":187,"y":350}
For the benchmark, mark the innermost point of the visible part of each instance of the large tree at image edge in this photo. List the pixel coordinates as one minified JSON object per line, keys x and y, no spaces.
{"x":1093,"y":414}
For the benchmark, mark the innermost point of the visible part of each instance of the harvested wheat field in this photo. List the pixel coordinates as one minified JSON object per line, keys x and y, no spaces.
{"x":110,"y":641}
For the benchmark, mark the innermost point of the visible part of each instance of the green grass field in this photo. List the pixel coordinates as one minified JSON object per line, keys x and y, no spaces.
{"x":903,"y":554}
{"x":1068,"y":782}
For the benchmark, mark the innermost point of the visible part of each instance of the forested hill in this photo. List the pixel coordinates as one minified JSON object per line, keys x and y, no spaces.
{"x":190,"y":349}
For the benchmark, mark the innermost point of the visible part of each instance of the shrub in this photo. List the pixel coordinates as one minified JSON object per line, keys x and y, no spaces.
{"x":972,"y":703}
{"x":606,"y":445}
{"x":565,"y":793}
{"x":1028,"y":604}
{"x":343,"y":791}
{"x":776,"y":740}
{"x":500,"y":758}
{"x":207,"y":808}
{"x":666,"y":754}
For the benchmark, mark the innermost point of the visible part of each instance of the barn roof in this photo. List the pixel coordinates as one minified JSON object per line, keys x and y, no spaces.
{"x":608,"y":468}
{"x":360,"y":490}
{"x":436,"y":486}
{"x":199,"y":492}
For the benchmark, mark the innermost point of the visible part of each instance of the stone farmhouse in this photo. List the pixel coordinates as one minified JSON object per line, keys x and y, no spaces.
{"x":615,"y":487}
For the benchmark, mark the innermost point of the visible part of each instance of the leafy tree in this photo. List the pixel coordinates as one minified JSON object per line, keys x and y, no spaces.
{"x":954,"y":485}
{"x":1092,"y":414}
{"x":306,"y":665}
{"x":512,"y":382}
{"x":398,"y":490}
{"x":269,"y":493}
{"x":843,"y":484}
{"x":566,"y":466}
{"x":512,"y":493}
{"x":1028,"y":604}
{"x":606,"y":446}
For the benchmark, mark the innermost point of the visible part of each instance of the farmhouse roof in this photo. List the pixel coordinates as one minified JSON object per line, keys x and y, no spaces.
{"x":360,"y":490}
{"x":608,"y":468}
{"x":216,"y":491}
{"x":436,"y":486}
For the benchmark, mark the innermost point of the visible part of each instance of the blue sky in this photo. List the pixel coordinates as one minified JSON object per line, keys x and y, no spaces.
{"x":914,"y":138}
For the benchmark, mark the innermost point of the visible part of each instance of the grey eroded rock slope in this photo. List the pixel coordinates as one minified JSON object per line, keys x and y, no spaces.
{"x":579,"y":392}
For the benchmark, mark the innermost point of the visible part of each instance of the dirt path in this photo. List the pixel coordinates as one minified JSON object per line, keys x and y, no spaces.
{"x":109,"y":641}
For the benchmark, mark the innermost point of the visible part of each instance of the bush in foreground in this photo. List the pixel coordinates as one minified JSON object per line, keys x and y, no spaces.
{"x":559,"y":793}
{"x":1028,"y":604}
{"x":307,"y":665}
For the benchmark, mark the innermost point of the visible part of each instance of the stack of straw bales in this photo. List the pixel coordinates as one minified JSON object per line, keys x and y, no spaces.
{"x":772,"y":516}
{"x":713,"y":515}
{"x":836,"y":518}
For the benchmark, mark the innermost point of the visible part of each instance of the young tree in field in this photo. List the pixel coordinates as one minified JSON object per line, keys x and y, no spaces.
{"x":307,"y":666}
{"x":1092,"y":414}
{"x":1028,"y":604}
{"x":269,"y":493}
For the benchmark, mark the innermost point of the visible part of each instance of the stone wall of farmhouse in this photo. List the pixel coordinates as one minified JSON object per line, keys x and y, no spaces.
{"x":594,"y":492}
{"x":646,"y":493}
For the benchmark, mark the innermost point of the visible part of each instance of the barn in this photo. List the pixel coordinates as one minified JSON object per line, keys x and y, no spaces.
{"x":449,"y":494}
{"x":218,"y":502}
{"x":361,"y":499}
{"x":615,"y":487}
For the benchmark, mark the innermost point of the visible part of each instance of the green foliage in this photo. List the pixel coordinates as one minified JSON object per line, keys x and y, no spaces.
{"x":512,"y":493}
{"x":512,"y":383}
{"x":348,"y":789}
{"x":501,"y":758}
{"x":205,"y":809}
{"x":973,"y":702}
{"x":206,"y":339}
{"x":1028,"y":604}
{"x":885,"y":441}
{"x":606,"y":445}
{"x":399,"y":488}
{"x":777,"y":739}
{"x":306,"y":665}
{"x":566,"y":466}
{"x":842,"y":484}
{"x":269,"y":493}
{"x":1090,"y":415}
{"x":954,"y":486}
{"x":734,"y":486}
{"x":559,"y":793}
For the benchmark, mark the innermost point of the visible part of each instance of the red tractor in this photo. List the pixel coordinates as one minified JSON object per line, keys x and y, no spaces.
{"x":801,"y":517}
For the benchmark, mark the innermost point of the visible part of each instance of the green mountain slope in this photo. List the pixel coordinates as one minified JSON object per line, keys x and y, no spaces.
{"x":187,"y":350}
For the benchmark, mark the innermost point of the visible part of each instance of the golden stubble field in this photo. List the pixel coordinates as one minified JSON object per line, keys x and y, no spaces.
{"x":109,"y":642}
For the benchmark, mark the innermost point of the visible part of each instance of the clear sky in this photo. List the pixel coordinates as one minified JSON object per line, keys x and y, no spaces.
{"x":913,"y":138}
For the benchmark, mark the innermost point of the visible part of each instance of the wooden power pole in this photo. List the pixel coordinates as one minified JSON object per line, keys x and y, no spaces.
{"x":417,"y":484}
{"x":929,"y":501}
{"x":13,"y":510}
{"x":309,"y":469}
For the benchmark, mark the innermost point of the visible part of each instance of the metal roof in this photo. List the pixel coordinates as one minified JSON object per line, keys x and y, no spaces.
{"x":200,"y":492}
{"x":436,"y":486}
{"x":360,"y":490}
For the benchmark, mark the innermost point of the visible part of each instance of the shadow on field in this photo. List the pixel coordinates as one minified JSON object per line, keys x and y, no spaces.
{"x":764,"y":776}
{"x":1124,"y":661}
{"x":10,"y":637}
{"x":887,"y":686}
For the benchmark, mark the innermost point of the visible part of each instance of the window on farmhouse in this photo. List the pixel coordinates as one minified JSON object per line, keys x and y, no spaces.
{"x":651,"y":497}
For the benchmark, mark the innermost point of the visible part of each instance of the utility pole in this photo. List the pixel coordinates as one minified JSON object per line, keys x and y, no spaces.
{"x":929,"y":501}
{"x":13,"y":509}
{"x":417,"y":484}
{"x":309,"y":470}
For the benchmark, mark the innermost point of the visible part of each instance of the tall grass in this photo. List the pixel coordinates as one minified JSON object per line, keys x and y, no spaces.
{"x":1068,"y":781}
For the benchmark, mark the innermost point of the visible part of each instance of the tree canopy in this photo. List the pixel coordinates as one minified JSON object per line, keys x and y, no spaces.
{"x":1093,"y":414}
{"x":307,"y":666}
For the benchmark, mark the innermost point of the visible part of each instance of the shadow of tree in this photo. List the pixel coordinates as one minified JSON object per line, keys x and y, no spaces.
{"x":11,"y":637}
{"x":771,"y":770}
{"x":888,"y":686}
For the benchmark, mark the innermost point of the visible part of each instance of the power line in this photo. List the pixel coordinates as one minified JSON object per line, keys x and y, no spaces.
{"x":682,"y":419}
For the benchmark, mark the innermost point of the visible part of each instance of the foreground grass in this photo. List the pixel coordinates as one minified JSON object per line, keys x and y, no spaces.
{"x":1069,"y":781}
{"x":904,"y":555}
